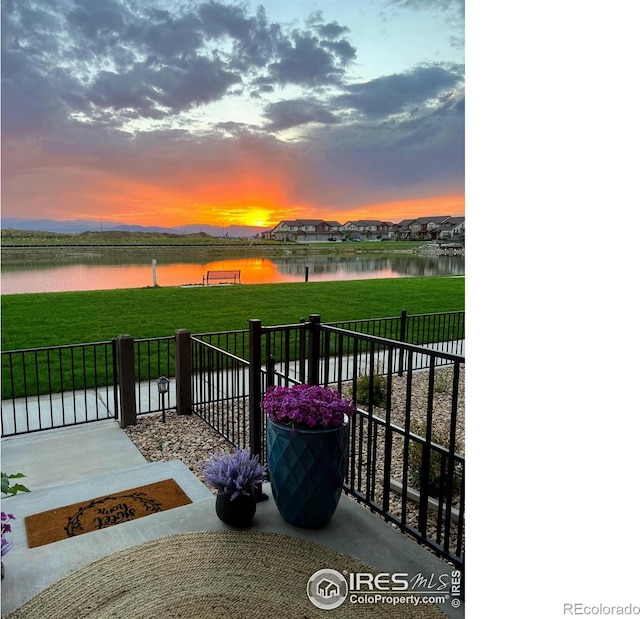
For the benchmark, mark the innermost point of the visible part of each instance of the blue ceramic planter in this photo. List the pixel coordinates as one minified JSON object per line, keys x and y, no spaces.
{"x":307,"y":469}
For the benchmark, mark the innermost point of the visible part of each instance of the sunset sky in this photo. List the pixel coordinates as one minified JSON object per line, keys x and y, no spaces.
{"x":224,"y":113}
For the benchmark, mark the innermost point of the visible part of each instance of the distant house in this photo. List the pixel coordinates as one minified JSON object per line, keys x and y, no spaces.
{"x":440,"y":227}
{"x":336,"y":229}
{"x":427,"y":228}
{"x":367,"y":229}
{"x":401,"y":231}
{"x":335,"y":226}
{"x":452,"y":229}
{"x":304,"y":230}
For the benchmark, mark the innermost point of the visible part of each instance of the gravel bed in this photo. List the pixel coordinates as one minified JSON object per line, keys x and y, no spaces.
{"x":180,"y":437}
{"x":190,"y":439}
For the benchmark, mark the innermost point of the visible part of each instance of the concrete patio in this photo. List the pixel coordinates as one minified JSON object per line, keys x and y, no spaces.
{"x":68,"y":465}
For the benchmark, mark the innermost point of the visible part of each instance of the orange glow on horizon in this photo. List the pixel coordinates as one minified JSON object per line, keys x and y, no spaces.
{"x":252,"y":185}
{"x":237,"y":202}
{"x":268,"y":216}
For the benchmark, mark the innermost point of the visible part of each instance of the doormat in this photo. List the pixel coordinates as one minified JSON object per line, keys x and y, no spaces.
{"x":105,"y":511}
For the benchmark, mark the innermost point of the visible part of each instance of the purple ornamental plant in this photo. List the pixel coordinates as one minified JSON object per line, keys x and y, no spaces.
{"x":6,"y":528}
{"x":9,"y":488}
{"x":307,"y":406}
{"x":235,"y":474}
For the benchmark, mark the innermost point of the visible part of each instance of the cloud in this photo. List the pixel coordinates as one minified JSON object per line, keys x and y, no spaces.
{"x":159,"y":90}
{"x":98,"y":21}
{"x":331,"y":31}
{"x":293,"y":113}
{"x":131,"y":60}
{"x":365,"y":161}
{"x":307,"y":61}
{"x":394,"y":93}
{"x":454,"y":8}
{"x":120,"y":103}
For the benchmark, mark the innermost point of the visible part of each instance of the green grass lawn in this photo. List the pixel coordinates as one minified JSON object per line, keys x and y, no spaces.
{"x":51,"y":319}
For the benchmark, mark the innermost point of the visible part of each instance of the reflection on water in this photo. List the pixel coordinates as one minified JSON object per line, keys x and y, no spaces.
{"x":366,"y":267}
{"x":128,"y":272}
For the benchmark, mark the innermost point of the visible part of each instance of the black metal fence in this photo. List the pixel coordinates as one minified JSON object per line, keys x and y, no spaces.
{"x":54,"y":387}
{"x":220,"y":389}
{"x":45,"y":388}
{"x":154,"y":357}
{"x":407,"y":440}
{"x":407,"y":459}
{"x":421,"y":329}
{"x":59,"y":386}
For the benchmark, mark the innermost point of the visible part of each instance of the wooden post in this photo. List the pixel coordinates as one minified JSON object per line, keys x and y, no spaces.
{"x":127,"y":381}
{"x":184,"y":400}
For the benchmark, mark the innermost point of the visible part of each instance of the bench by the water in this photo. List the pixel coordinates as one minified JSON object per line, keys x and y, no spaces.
{"x":221,"y":276}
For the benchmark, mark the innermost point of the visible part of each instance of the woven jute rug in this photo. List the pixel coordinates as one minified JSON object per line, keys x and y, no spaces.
{"x":208,"y":575}
{"x":102,"y":512}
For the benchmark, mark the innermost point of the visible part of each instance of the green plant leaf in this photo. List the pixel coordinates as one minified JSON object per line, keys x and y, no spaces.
{"x":18,"y":488}
{"x":8,"y":488}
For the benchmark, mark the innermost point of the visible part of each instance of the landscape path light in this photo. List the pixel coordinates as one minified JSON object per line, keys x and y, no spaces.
{"x":163,"y":389}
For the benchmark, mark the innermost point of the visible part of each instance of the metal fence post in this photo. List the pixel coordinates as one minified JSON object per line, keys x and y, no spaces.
{"x":114,"y":369}
{"x":256,"y":427}
{"x":314,"y":349}
{"x":184,"y":399}
{"x":271,"y":371}
{"x":126,"y":370}
{"x":255,"y":387}
{"x":303,"y":354}
{"x":402,"y":336}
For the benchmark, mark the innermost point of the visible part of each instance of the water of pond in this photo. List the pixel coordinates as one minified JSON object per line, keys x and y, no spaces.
{"x":103,"y":273}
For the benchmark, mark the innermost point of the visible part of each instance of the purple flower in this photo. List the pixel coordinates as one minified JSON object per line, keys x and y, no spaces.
{"x":307,"y":406}
{"x":233,"y":474}
{"x":6,"y":528}
{"x":6,"y":545}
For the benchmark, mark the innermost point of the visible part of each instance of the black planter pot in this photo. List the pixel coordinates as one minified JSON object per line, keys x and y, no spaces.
{"x":238,"y":512}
